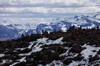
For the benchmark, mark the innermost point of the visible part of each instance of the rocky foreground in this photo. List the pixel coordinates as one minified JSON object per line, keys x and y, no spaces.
{"x":76,"y":47}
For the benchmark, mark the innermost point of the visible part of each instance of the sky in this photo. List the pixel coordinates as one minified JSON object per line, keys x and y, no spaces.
{"x":37,"y":11}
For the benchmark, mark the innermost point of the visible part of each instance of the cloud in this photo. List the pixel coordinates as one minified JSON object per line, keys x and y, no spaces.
{"x":32,"y":10}
{"x":46,"y":8}
{"x":96,"y":2}
{"x":45,"y":3}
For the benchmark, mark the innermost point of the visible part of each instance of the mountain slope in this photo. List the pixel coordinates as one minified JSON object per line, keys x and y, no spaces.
{"x":76,"y":47}
{"x":24,"y":28}
{"x":64,"y":24}
{"x":57,"y":24}
{"x":6,"y":33}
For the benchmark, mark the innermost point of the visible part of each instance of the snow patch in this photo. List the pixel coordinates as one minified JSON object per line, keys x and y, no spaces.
{"x":89,"y":51}
{"x":44,"y":41}
{"x":1,"y":55}
{"x":22,"y":59}
{"x":14,"y":63}
{"x":55,"y":63}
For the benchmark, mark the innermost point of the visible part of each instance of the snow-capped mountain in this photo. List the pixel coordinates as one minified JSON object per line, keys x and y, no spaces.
{"x":6,"y":33}
{"x":58,"y":24}
{"x":64,"y":23}
{"x":25,"y":28}
{"x":10,"y":24}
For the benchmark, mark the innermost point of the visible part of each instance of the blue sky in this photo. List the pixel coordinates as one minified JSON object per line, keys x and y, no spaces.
{"x":45,"y":10}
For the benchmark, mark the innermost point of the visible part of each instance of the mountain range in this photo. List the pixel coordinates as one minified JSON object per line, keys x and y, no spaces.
{"x":10,"y":30}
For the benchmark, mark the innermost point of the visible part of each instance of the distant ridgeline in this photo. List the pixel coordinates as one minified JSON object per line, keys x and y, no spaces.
{"x":72,"y":33}
{"x":10,"y":29}
{"x":75,"y":47}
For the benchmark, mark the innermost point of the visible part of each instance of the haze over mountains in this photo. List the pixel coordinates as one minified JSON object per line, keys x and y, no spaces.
{"x":10,"y":29}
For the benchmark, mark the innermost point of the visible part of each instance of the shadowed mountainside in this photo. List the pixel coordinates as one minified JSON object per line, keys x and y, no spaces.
{"x":6,"y":33}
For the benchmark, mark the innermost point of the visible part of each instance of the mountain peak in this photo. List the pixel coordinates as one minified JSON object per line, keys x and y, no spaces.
{"x":75,"y":16}
{"x":97,"y":15}
{"x":57,"y":24}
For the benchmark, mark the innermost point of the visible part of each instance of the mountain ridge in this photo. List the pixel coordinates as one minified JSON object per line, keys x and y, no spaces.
{"x":57,"y":24}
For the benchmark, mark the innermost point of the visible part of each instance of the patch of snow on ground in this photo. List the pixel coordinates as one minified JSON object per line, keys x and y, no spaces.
{"x":22,"y":59}
{"x":76,"y":63}
{"x":58,"y":41}
{"x":14,"y":63}
{"x":42,"y":40}
{"x":37,"y":47}
{"x":66,"y":53}
{"x":30,"y":46}
{"x":20,"y":49}
{"x":4,"y":61}
{"x":89,"y":51}
{"x":55,"y":63}
{"x":1,"y":55}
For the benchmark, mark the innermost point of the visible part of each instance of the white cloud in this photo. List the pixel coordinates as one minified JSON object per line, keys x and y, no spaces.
{"x":5,"y":15}
{"x":39,"y":9}
{"x":13,"y":9}
{"x":48,"y":3}
{"x":1,"y":9}
{"x":51,"y":10}
{"x":35,"y":21}
{"x":46,"y":8}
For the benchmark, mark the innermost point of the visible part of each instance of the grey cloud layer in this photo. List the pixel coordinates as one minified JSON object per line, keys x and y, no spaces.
{"x":46,"y":8}
{"x":49,"y":10}
{"x":49,"y":6}
{"x":47,"y":3}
